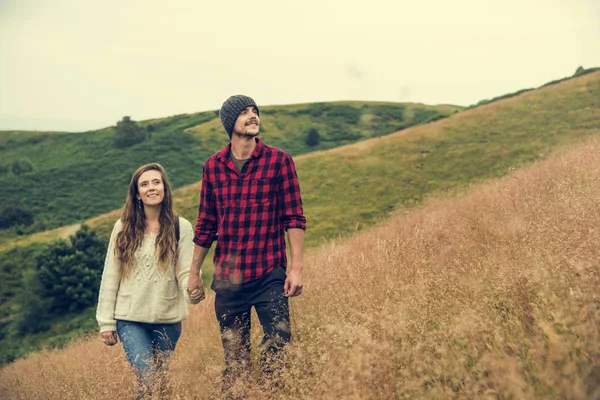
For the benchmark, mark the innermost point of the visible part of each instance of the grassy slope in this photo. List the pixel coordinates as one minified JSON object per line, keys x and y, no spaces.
{"x":356,"y":185}
{"x":366,"y":180}
{"x":78,"y":175}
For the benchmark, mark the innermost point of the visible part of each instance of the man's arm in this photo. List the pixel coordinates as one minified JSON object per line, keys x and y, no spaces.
{"x":290,"y":200}
{"x":293,"y":283}
{"x":292,"y":215}
{"x":205,"y":234}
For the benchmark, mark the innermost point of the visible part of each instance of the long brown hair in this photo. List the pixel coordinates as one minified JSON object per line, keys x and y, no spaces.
{"x":133,"y":220}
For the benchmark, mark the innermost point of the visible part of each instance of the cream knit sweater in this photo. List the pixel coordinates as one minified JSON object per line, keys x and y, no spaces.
{"x":148,"y":295}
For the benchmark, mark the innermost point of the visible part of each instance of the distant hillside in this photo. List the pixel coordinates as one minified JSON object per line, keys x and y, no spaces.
{"x":63,"y":178}
{"x":579,"y":72}
{"x":352,"y":187}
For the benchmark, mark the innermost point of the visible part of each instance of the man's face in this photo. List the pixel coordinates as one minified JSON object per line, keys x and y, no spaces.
{"x":247,"y":123}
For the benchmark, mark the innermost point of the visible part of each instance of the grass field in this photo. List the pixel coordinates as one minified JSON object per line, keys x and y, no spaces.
{"x":488,"y":295}
{"x":352,"y":188}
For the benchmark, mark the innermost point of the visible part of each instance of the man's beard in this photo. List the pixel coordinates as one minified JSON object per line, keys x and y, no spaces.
{"x":247,"y":134}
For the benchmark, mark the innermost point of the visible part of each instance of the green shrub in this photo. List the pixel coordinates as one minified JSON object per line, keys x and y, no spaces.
{"x":313,"y":138}
{"x":35,"y":310}
{"x":128,"y":133}
{"x":422,"y":115}
{"x":19,"y":167}
{"x":348,"y":114}
{"x":15,"y":214}
{"x":389,"y":112}
{"x":69,"y":273}
{"x":316,"y":110}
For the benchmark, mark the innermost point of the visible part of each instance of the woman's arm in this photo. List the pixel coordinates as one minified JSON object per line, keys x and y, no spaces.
{"x":109,"y":286}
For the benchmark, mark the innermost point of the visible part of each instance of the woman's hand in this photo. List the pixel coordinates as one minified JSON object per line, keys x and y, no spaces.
{"x":109,"y":338}
{"x":195,"y":289}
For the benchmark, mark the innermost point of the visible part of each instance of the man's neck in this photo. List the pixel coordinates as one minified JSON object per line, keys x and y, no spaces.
{"x":242,"y":146}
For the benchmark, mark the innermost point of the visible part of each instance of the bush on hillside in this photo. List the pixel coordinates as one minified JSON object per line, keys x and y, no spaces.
{"x":35,"y":311}
{"x":579,"y":71}
{"x":316,"y":110}
{"x":313,"y":138}
{"x":269,"y":111}
{"x":19,"y":167}
{"x":348,"y":114}
{"x":387,"y":112}
{"x":15,"y":214}
{"x":128,"y":133}
{"x":70,"y":273}
{"x":422,"y":116}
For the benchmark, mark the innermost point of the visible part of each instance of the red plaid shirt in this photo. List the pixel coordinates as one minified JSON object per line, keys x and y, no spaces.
{"x":248,"y":212}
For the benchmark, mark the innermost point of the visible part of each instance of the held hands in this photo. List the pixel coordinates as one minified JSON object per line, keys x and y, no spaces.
{"x":293,"y":283}
{"x":109,"y":338}
{"x":195,"y":289}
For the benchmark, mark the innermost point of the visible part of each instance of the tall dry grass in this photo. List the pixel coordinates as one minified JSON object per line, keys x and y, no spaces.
{"x":493,"y":294}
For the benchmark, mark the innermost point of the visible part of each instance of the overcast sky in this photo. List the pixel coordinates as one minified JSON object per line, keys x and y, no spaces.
{"x":84,"y":64}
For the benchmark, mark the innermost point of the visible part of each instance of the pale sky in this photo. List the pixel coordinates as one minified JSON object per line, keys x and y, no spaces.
{"x":84,"y":64}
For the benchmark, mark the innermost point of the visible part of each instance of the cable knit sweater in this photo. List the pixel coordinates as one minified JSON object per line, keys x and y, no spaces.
{"x":147,"y":295}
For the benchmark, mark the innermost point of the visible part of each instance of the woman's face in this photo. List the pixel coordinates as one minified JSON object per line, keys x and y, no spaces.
{"x":151,"y":190}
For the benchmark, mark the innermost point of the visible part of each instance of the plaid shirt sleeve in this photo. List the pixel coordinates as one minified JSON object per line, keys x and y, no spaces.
{"x":206,"y":226}
{"x":290,"y":201}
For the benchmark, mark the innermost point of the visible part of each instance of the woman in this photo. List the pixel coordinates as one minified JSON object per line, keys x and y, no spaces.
{"x":142,"y":295}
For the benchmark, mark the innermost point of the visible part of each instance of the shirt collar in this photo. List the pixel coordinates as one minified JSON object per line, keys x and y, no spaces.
{"x":225,"y":154}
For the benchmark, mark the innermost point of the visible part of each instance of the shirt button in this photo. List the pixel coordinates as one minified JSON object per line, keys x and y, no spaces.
{"x":240,"y":181}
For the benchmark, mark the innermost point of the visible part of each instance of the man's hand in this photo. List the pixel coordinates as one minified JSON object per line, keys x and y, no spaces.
{"x":109,"y":338}
{"x":195,"y":288}
{"x":293,"y":283}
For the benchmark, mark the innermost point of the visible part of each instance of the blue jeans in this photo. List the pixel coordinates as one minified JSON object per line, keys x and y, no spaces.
{"x":148,"y":348}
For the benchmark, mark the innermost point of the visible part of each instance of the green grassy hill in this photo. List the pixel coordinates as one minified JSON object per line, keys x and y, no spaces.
{"x":69,"y":177}
{"x":354,"y":186}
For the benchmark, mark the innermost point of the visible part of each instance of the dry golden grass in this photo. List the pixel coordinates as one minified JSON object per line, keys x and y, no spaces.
{"x":491,"y":295}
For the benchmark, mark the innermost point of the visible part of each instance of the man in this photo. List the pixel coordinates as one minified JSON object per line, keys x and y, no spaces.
{"x":249,"y":198}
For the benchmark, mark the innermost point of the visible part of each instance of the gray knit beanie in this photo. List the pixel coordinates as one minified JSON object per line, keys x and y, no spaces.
{"x":231,"y":109}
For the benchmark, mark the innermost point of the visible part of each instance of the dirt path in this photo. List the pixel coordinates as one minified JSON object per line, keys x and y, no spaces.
{"x":63,"y":232}
{"x":67,"y":231}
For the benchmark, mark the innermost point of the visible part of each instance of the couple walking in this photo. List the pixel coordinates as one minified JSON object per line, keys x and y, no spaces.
{"x":250,"y":197}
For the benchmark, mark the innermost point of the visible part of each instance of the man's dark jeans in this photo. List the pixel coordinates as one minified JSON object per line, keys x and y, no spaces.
{"x":233,"y":305}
